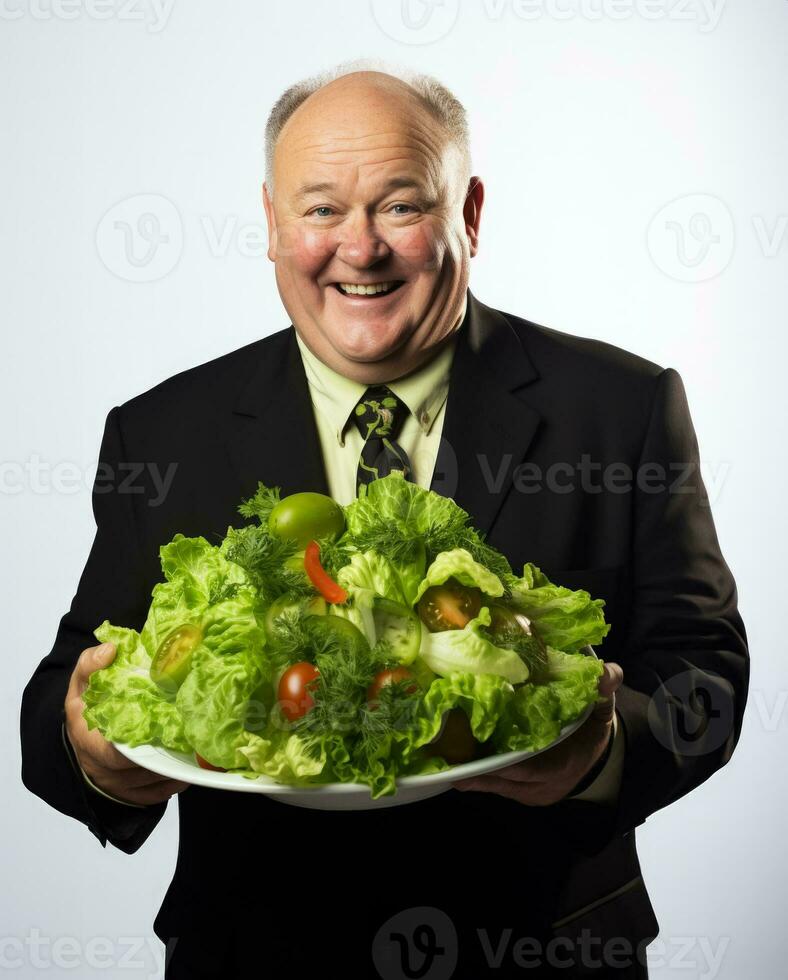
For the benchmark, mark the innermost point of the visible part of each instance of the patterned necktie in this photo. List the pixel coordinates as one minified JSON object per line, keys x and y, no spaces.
{"x":379,"y":416}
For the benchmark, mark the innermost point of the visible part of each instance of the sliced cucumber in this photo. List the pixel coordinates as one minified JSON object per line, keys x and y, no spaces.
{"x":398,"y":626}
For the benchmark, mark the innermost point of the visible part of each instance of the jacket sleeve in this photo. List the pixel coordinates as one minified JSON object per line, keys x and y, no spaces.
{"x":114,"y":585}
{"x":686,"y":661}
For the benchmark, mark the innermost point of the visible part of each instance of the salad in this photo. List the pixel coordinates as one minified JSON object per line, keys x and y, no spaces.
{"x":319,"y":643}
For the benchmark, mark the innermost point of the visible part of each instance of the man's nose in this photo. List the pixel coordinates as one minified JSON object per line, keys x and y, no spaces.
{"x":361,"y":242}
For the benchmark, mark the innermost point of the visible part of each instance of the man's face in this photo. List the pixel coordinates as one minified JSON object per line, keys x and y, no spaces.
{"x":368,"y":189}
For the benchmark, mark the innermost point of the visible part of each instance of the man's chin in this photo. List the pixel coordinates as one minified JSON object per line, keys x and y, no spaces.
{"x":366,"y":351}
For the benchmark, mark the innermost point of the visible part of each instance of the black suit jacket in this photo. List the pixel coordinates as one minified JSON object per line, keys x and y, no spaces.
{"x":530,"y":411}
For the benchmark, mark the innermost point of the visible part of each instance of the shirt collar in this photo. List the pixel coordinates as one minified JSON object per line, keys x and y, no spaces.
{"x":424,"y":390}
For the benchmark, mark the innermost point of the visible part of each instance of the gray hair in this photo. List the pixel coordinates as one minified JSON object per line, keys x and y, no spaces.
{"x":434,"y":96}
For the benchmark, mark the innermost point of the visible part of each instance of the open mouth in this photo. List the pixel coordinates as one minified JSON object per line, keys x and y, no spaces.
{"x":368,"y":292}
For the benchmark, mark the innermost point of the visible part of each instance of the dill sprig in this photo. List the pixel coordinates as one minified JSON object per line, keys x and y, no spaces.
{"x":394,"y":711}
{"x":261,"y":503}
{"x":222,"y":592}
{"x":262,"y":557}
{"x":401,"y":545}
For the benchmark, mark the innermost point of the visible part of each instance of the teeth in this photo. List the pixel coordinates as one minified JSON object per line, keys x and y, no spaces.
{"x":380,"y":287}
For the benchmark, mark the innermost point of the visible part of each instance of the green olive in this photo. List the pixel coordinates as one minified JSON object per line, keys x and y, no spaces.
{"x":307,"y":516}
{"x":173,"y":660}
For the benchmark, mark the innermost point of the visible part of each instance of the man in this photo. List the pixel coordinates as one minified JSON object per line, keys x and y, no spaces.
{"x":533,"y":432}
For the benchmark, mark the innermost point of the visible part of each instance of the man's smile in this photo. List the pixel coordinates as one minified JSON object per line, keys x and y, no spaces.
{"x":365,"y":294}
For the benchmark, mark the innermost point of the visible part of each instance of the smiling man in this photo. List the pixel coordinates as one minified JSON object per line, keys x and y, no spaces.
{"x":373,"y":217}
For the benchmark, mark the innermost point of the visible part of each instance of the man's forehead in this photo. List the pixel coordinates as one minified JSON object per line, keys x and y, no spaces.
{"x":418,"y":182}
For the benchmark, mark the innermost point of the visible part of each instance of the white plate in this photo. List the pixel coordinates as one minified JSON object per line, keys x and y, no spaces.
{"x":331,"y":796}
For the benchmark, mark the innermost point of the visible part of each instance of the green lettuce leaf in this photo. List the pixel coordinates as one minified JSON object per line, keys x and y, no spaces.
{"x":124,"y":704}
{"x":564,"y":619}
{"x":374,"y":573}
{"x":537,"y":712}
{"x":459,"y":563}
{"x":196,"y":574}
{"x":467,"y":651}
{"x":281,"y":756}
{"x":409,"y":525}
{"x":228,"y":668}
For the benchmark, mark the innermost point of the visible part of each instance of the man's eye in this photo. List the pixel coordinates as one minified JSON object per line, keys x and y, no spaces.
{"x":403,"y":206}
{"x":322,"y":207}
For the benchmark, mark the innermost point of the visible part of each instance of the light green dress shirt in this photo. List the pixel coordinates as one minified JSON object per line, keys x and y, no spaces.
{"x":334,"y":397}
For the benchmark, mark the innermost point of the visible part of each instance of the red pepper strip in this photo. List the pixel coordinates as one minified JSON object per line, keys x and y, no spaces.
{"x":330,"y":590}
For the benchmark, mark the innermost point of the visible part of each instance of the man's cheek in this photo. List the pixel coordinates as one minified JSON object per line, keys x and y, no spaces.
{"x":305,"y":251}
{"x":420,"y":246}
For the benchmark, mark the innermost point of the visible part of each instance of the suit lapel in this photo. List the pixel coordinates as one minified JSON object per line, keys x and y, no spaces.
{"x":274,"y":438}
{"x":487,"y":429}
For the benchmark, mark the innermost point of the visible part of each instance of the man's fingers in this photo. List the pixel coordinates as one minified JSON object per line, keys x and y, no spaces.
{"x":154,"y":793}
{"x":93,"y":658}
{"x":609,"y":683}
{"x":611,"y":680}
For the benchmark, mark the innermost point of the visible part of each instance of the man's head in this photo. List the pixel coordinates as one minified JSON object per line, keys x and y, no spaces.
{"x":368,"y":181}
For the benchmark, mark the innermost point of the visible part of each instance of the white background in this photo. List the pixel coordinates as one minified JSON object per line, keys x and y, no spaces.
{"x":587,"y":120}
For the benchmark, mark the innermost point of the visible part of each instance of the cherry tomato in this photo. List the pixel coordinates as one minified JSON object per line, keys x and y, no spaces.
{"x":455,"y":742}
{"x":386,"y":677}
{"x":304,"y":516}
{"x":204,"y":764}
{"x":450,"y":606}
{"x":512,"y":629}
{"x":293,"y":690}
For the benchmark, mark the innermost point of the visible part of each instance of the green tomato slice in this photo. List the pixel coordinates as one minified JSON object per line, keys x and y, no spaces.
{"x":398,"y":626}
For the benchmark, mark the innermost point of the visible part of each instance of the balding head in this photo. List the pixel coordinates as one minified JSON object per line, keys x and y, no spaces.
{"x":371,"y":188}
{"x":419,"y":92}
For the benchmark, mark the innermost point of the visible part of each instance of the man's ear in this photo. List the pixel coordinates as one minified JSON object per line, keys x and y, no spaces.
{"x":270,"y":218}
{"x":472,"y":212}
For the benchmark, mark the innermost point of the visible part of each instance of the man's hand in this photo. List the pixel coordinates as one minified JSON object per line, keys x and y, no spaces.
{"x":102,"y":762}
{"x":552,"y":775}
